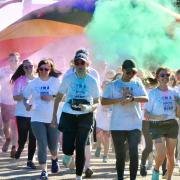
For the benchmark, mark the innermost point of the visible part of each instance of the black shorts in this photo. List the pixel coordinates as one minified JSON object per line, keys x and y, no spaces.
{"x":70,"y":122}
{"x":168,"y":129}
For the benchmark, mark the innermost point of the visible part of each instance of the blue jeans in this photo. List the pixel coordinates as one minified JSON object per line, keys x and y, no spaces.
{"x":133,"y":138}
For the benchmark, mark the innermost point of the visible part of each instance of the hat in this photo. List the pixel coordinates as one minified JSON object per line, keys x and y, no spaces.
{"x":129,"y":65}
{"x":83,"y":50}
{"x":81,"y":56}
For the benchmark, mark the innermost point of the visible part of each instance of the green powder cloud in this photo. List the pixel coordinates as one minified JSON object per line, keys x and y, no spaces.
{"x":134,"y":29}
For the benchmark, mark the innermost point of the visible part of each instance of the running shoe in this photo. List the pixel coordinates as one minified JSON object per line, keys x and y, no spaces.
{"x":143,"y":171}
{"x":44,"y":175}
{"x":31,"y":165}
{"x":6,"y":145}
{"x":98,"y":152}
{"x":54,"y":166}
{"x":67,"y":160}
{"x":155,"y":175}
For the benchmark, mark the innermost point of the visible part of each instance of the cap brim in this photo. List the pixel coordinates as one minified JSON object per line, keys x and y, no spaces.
{"x":80,"y":58}
{"x":131,"y":69}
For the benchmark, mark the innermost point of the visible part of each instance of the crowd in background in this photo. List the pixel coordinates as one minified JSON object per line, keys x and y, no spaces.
{"x":116,"y":109}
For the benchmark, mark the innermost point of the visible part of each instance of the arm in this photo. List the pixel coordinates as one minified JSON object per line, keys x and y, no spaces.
{"x":18,"y":98}
{"x":148,"y":116}
{"x":58,"y":99}
{"x":108,"y":101}
{"x":140,"y":98}
{"x":178,"y":108}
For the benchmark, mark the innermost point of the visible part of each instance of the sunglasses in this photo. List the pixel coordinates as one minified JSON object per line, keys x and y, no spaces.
{"x":131,"y":72}
{"x":77,"y":63}
{"x":162,"y":75}
{"x":44,"y":69}
{"x":28,"y":67}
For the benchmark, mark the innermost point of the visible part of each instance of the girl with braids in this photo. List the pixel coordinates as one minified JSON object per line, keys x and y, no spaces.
{"x":43,"y":90}
{"x":22,"y":76}
{"x":162,"y":110}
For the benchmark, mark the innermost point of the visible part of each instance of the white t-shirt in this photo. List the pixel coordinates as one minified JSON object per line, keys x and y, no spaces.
{"x":78,"y":88}
{"x":125,"y":117}
{"x":42,"y":110}
{"x":6,"y":87}
{"x":162,"y":102}
{"x":103,"y":117}
{"x":19,"y":86}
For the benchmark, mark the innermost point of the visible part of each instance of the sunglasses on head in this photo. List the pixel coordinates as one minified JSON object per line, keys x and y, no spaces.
{"x":43,"y":69}
{"x":162,"y":75}
{"x":28,"y":66}
{"x":77,"y":63}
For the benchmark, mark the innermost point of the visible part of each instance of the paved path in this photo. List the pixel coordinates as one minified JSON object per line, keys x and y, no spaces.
{"x":102,"y":171}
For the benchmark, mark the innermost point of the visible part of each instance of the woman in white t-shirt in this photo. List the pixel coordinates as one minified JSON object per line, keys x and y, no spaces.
{"x":82,"y":95}
{"x":43,"y":90}
{"x":162,"y":110}
{"x":22,"y":76}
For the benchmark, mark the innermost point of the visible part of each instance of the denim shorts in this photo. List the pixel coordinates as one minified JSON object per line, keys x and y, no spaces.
{"x":168,"y":129}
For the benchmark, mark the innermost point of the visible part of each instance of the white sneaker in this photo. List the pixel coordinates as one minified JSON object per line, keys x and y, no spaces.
{"x":78,"y":177}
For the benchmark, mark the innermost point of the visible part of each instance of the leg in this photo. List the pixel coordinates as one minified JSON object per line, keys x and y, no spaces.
{"x":40,"y":132}
{"x":148,"y":143}
{"x":133,"y":141}
{"x":22,"y":126}
{"x":32,"y":143}
{"x":81,"y":140}
{"x":119,"y":138}
{"x":6,"y":127}
{"x":170,"y":153}
{"x":160,"y":152}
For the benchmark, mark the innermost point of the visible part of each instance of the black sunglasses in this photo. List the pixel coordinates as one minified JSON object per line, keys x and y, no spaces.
{"x":131,"y":72}
{"x":28,"y":66}
{"x":162,"y":75}
{"x":77,"y":63}
{"x":43,"y":69}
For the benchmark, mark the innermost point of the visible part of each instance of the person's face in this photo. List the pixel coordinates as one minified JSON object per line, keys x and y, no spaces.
{"x":44,"y":70}
{"x":28,"y":67}
{"x":163,"y":77}
{"x":13,"y":61}
{"x":129,"y":74}
{"x":80,"y":65}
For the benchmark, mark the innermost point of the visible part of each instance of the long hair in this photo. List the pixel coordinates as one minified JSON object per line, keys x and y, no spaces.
{"x":19,"y":72}
{"x":53,"y":71}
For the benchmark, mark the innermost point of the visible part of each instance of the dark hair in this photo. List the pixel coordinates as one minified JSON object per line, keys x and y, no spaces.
{"x":53,"y":71}
{"x":19,"y":72}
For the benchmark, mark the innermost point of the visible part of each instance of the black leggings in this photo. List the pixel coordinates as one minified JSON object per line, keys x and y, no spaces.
{"x":76,"y":129}
{"x":24,"y":127}
{"x":133,"y":139}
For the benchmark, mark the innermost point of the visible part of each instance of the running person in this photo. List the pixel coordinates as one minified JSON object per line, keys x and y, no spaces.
{"x":82,"y":95}
{"x":43,"y":91}
{"x":22,"y":76}
{"x":162,"y":111}
{"x":125,"y":95}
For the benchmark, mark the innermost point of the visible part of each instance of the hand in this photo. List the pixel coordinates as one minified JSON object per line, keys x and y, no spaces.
{"x":28,"y":107}
{"x":54,"y":124}
{"x":126,"y":100}
{"x":86,"y":108}
{"x":162,"y":117}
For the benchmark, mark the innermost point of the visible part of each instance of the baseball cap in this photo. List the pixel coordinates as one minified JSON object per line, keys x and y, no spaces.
{"x":129,"y":65}
{"x":81,"y":55}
